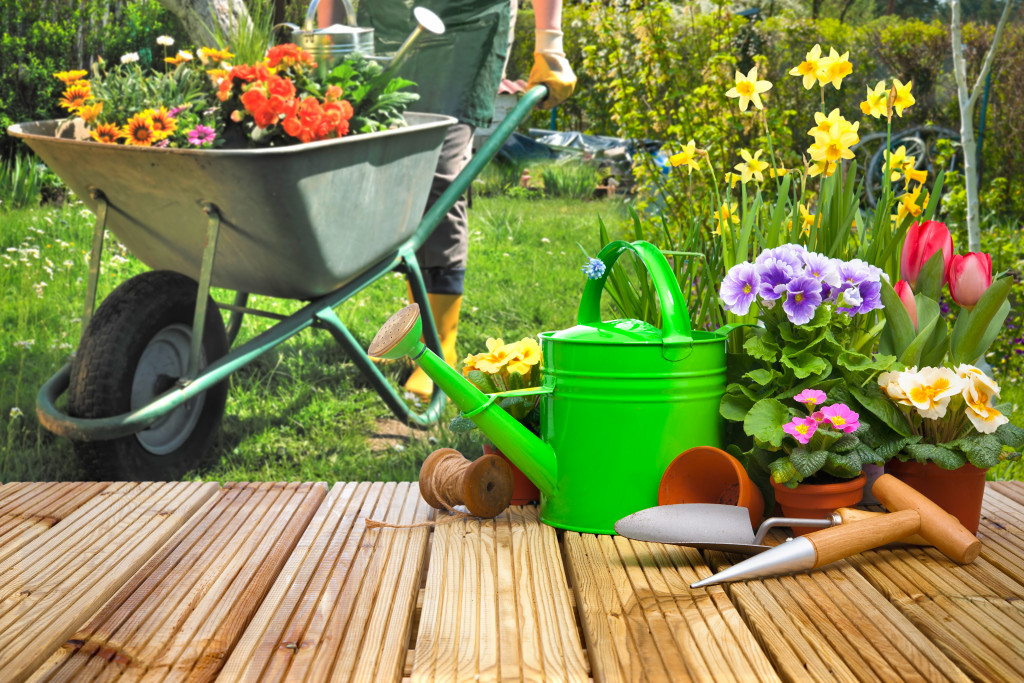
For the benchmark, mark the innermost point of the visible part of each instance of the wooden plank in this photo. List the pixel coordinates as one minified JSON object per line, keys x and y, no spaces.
{"x":183,"y":612}
{"x":429,"y":631}
{"x":506,"y":603}
{"x":1002,"y":532}
{"x":96,"y":550}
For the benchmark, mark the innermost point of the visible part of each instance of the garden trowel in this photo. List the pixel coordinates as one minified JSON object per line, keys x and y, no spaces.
{"x":711,"y":526}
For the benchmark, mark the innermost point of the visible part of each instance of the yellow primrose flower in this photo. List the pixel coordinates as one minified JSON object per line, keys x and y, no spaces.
{"x":808,"y":69}
{"x":495,"y":359}
{"x":749,"y":89}
{"x":835,"y":68}
{"x":834,"y":145}
{"x":908,"y":204}
{"x":930,"y":389}
{"x":875,"y":104}
{"x":688,"y":157}
{"x":527,"y":355}
{"x":752,"y":167}
{"x":493,"y":343}
{"x":724,"y":216}
{"x":469,"y":364}
{"x":903,"y":97}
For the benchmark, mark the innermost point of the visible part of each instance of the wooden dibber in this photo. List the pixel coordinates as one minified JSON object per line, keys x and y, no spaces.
{"x":484,"y":486}
{"x":911,"y":513}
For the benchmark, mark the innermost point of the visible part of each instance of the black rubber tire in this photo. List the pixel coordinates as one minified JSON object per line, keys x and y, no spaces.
{"x":106,"y":364}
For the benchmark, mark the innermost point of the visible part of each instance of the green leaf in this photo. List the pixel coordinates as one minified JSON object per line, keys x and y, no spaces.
{"x":762,"y":376}
{"x":982,"y":450}
{"x":867,"y":455}
{"x":765,"y":419}
{"x":888,"y":449}
{"x":897,"y":321}
{"x":482,"y":381}
{"x":804,"y":363}
{"x":515,"y":381}
{"x":807,"y":463}
{"x":842,"y":464}
{"x":858,"y":362}
{"x":735,"y":407}
{"x":783,"y":472}
{"x":881,"y":407}
{"x":759,"y":348}
{"x":1010,"y":435}
{"x":930,"y":278}
{"x":911,"y":355}
{"x":943,"y":457}
{"x":990,"y":311}
{"x":845,"y":444}
{"x":461,"y":424}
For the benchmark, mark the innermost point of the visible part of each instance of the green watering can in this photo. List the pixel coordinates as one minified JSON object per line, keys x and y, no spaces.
{"x":620,"y":400}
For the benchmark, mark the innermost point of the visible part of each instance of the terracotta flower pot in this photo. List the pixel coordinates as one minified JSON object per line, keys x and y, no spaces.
{"x":816,"y":501}
{"x":710,"y":475}
{"x":524,"y":491}
{"x":958,"y":492}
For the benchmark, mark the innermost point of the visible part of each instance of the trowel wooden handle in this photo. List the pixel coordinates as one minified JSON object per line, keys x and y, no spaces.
{"x":855,"y":515}
{"x":844,"y":540}
{"x":938,"y":527}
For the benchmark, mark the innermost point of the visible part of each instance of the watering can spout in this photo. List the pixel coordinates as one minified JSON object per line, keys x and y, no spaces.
{"x":400,"y":336}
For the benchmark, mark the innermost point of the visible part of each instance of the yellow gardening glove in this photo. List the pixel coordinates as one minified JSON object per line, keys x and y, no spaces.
{"x":551,"y":68}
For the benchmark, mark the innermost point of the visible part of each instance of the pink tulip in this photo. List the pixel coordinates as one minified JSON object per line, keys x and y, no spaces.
{"x":969,"y":276}
{"x":906,"y":295}
{"x":922,"y":241}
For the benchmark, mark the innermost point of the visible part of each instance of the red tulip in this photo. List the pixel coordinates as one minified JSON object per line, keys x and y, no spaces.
{"x":906,"y":295}
{"x":922,"y":241}
{"x":969,"y":276}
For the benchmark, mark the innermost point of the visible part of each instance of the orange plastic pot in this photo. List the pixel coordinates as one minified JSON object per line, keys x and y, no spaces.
{"x":959,"y":492}
{"x":816,"y":501}
{"x":705,"y":474}
{"x":524,"y":491}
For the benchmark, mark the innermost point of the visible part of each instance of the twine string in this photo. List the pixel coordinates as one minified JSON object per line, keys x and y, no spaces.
{"x":445,"y":484}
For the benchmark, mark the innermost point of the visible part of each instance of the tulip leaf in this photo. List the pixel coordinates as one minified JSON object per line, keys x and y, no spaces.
{"x":931,"y":276}
{"x":765,"y":419}
{"x":935,"y":346}
{"x":898,"y":326}
{"x":933,"y":199}
{"x":984,"y":323}
{"x":911,"y":355}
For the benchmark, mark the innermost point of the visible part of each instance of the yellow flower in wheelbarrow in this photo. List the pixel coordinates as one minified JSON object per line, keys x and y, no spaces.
{"x":749,"y":89}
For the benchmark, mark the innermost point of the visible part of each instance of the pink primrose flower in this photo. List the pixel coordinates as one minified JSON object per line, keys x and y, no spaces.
{"x":801,"y":428}
{"x":810,"y":397}
{"x":842,"y":418}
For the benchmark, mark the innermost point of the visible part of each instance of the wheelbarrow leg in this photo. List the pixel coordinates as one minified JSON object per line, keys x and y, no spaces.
{"x":94,"y":257}
{"x":399,"y":407}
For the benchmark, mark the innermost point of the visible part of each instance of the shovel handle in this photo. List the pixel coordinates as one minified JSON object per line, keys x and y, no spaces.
{"x":848,"y":515}
{"x":844,"y":540}
{"x":938,"y":527}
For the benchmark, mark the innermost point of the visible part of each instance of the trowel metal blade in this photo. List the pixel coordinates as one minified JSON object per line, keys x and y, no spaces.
{"x":699,"y":525}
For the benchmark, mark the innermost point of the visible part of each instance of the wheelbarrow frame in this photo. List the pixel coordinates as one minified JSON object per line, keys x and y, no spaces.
{"x":318,"y":312}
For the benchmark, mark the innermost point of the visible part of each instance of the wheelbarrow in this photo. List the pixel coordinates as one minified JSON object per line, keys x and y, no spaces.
{"x":316,"y":222}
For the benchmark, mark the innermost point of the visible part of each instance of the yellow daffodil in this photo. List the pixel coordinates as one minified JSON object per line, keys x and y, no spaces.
{"x":930,"y":389}
{"x":874,"y":105}
{"x":725,"y":216}
{"x":835,"y":68}
{"x":749,"y":89}
{"x":778,"y":172}
{"x":806,"y":220}
{"x":808,"y":69}
{"x":912,"y":174}
{"x":894,"y":162}
{"x":526,"y":356}
{"x":752,"y":166}
{"x":833,"y":146}
{"x":731,"y":179}
{"x":908,"y":204}
{"x":903,"y":97}
{"x":822,"y":168}
{"x":824,"y":123}
{"x":688,"y":157}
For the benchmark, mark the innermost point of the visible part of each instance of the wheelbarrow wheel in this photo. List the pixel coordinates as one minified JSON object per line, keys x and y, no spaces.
{"x":135,"y":348}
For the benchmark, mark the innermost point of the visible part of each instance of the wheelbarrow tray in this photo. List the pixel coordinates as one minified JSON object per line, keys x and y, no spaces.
{"x":296,"y":222}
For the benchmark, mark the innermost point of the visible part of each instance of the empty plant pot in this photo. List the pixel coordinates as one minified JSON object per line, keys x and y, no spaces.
{"x":705,"y":474}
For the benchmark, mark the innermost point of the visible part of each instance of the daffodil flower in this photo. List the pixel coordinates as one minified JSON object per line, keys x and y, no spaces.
{"x":688,"y":157}
{"x":724,"y":216}
{"x":914,"y":175}
{"x":822,"y":168}
{"x":749,"y":89}
{"x":835,"y":68}
{"x":833,"y":146}
{"x":908,"y":204}
{"x":824,"y":123}
{"x":808,"y":69}
{"x":894,"y":162}
{"x":752,"y":166}
{"x":875,"y":104}
{"x":903,"y":97}
{"x":806,"y":220}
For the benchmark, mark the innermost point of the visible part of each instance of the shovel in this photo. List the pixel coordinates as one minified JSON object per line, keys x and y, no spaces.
{"x":722,"y":527}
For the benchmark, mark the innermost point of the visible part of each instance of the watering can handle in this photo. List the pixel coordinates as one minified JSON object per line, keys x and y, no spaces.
{"x":675,"y":319}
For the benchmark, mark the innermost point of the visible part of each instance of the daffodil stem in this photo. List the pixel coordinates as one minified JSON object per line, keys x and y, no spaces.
{"x":771,"y":150}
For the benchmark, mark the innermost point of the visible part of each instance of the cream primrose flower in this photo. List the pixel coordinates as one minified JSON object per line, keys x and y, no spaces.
{"x":875,"y":103}
{"x":749,"y":89}
{"x":930,"y":389}
{"x":973,"y":375}
{"x":835,"y":68}
{"x":890,"y":382}
{"x":808,"y":69}
{"x":979,"y":409}
{"x":752,"y":166}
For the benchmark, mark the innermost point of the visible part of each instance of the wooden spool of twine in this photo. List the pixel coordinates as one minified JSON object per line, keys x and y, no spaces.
{"x":448,"y":479}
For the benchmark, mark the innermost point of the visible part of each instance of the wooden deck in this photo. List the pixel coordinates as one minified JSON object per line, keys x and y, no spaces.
{"x":285,"y":582}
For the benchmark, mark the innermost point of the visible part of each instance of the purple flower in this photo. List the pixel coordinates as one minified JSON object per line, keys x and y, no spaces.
{"x":801,"y":428}
{"x":842,"y":418}
{"x":790,"y":254}
{"x":854,"y":272}
{"x":775,"y":275}
{"x":867,"y":296}
{"x":803,"y":294}
{"x":201,"y":135}
{"x":177,"y":110}
{"x":740,"y":287}
{"x":821,"y":268}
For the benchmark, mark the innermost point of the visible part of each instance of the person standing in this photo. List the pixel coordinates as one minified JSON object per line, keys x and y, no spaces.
{"x":458,"y":74}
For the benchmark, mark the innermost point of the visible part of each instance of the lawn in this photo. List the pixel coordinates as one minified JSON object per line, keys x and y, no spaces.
{"x":301,"y":411}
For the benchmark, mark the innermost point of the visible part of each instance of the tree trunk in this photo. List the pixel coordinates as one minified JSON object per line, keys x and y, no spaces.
{"x":967,"y":100}
{"x":204,"y":20}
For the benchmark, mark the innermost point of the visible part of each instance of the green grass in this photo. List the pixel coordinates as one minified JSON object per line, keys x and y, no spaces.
{"x":301,"y":411}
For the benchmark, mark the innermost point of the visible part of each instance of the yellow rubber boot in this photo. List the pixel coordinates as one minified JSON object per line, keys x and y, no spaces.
{"x":445,"y":308}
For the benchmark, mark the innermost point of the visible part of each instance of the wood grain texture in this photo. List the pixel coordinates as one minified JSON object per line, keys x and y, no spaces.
{"x":182,"y":613}
{"x":52,"y":585}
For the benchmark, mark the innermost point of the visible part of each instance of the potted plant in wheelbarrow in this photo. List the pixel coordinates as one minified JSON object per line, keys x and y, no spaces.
{"x":256,"y":178}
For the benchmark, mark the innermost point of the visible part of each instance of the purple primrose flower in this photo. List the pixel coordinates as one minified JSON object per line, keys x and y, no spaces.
{"x":739,"y":288}
{"x":775,"y":275}
{"x":821,"y":268}
{"x":803,"y":294}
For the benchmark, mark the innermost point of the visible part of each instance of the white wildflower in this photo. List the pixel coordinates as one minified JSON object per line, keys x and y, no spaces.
{"x":129,"y":57}
{"x":39,"y":287}
{"x":16,"y":412}
{"x":24,"y":344}
{"x":166,"y":41}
